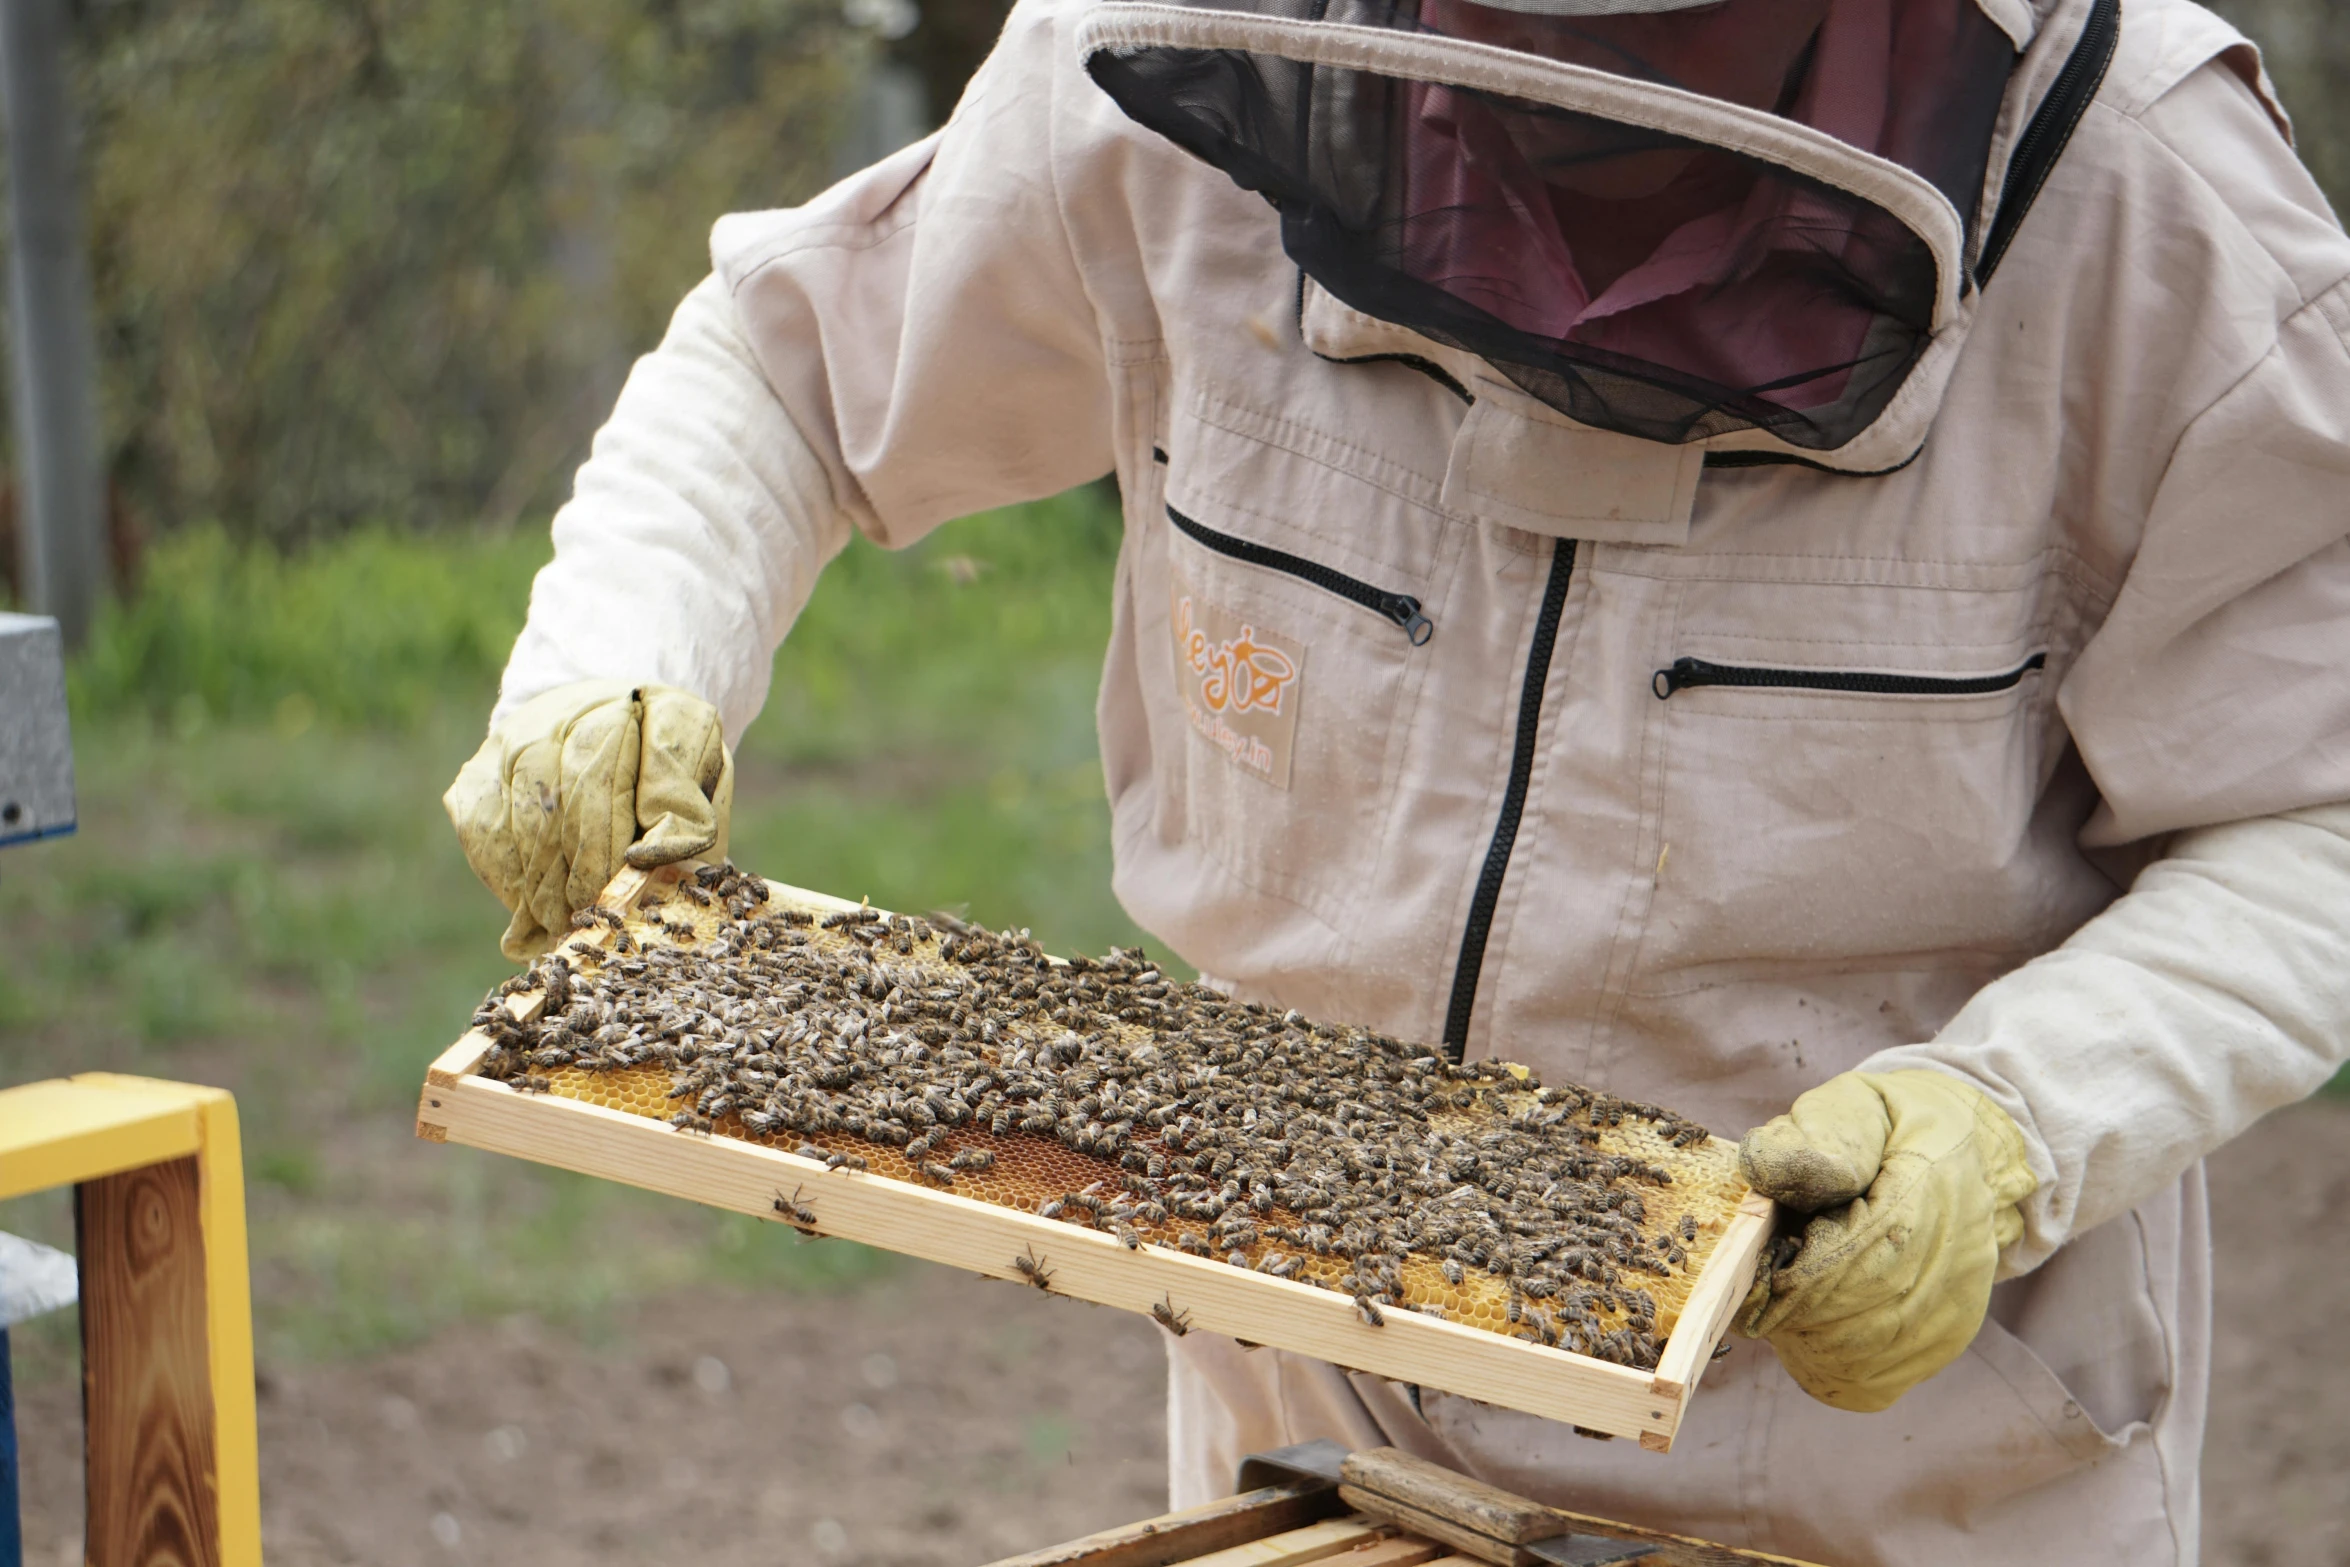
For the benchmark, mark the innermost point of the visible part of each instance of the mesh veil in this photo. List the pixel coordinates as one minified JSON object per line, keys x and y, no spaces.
{"x":1671,"y":286}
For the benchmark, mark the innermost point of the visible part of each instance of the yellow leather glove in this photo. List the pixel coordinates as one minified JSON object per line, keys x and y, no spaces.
{"x":578,"y":781}
{"x":1913,"y":1179}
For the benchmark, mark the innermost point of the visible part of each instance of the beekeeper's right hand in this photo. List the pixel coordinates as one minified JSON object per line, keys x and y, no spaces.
{"x":581,"y":780}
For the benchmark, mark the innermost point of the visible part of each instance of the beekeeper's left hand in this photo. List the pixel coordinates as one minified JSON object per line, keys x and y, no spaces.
{"x":1913,"y":1181}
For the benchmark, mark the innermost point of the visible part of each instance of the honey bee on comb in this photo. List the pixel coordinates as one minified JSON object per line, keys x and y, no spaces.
{"x":1104,"y":1093}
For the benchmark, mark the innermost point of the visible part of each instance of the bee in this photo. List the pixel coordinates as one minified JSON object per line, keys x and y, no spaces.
{"x":845,"y":1161}
{"x":1195,"y":1243}
{"x":1175,"y":1322}
{"x":533,"y":1085}
{"x":1688,"y":1227}
{"x":794,"y":1211}
{"x":972,"y":1159}
{"x":1128,"y":1238}
{"x":1279,"y":1267}
{"x":1453,"y":1273}
{"x":1368,"y":1309}
{"x":699,"y":894}
{"x":1051,"y":1208}
{"x":1031,"y":1267}
{"x":934,"y":1171}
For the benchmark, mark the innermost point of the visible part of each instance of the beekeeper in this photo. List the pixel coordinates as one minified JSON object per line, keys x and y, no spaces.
{"x":1765,"y":552}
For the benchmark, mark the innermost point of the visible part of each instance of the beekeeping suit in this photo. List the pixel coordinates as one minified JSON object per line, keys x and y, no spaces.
{"x":1703,"y":569}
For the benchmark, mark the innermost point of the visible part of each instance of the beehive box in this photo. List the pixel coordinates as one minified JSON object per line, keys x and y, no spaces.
{"x":1432,"y":1323}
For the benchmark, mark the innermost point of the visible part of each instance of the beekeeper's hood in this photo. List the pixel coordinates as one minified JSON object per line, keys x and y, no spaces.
{"x":1754,"y":223}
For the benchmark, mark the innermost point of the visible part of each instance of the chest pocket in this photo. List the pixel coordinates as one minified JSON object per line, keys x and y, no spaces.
{"x":1300,"y":583}
{"x":1860,"y":776}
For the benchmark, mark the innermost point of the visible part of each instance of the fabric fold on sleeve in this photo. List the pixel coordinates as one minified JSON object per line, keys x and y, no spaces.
{"x":913,"y":345}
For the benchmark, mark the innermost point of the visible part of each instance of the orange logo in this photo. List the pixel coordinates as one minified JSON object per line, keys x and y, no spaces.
{"x":1242,"y":674}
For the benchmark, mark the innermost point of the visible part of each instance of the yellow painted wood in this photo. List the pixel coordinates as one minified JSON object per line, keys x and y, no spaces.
{"x":79,"y":1128}
{"x":229,"y":1299}
{"x":70,"y":1130}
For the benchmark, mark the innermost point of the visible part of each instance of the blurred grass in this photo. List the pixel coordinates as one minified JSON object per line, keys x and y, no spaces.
{"x":264,"y":893}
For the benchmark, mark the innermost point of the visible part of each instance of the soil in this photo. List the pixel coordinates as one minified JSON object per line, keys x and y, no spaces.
{"x":939,"y":1420}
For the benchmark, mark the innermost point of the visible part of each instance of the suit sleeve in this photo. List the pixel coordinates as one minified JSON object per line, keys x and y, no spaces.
{"x":913,"y":345}
{"x":2212,"y":707}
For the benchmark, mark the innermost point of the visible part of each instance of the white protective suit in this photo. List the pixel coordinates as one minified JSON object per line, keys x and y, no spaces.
{"x":2028,"y":766}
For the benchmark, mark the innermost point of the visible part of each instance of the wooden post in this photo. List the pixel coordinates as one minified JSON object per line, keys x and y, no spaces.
{"x":61,"y":486}
{"x":146,"y":1380}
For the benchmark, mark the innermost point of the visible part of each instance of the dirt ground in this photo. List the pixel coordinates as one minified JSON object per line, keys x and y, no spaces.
{"x":944,"y":1421}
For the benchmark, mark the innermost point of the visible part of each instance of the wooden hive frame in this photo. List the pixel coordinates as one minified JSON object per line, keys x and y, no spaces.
{"x":459,"y":1105}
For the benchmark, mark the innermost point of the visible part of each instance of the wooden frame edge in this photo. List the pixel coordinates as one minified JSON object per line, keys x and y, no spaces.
{"x":1084,"y":1264}
{"x":1720,"y":1287}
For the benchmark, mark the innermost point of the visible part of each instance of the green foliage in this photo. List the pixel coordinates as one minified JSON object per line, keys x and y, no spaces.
{"x":386,"y":260}
{"x":379,"y":628}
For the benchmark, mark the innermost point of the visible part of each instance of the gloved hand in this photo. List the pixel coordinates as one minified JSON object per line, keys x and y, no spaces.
{"x":1913,"y":1179}
{"x":580,"y":779}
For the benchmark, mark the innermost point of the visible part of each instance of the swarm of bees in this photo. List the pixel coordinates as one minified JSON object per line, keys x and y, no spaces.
{"x":1310,"y":1151}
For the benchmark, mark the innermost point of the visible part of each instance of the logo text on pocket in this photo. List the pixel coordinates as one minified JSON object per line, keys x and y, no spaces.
{"x":1240,"y":683}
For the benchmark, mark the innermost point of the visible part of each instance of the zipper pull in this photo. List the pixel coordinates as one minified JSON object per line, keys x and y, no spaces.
{"x":1682,"y":672}
{"x":1404,"y":610}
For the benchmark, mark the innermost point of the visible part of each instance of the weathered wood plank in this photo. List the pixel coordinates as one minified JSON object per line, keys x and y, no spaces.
{"x":1402,"y":1551}
{"x":1193,"y":1532}
{"x":1419,"y":1521}
{"x":1486,"y":1510}
{"x":152,"y":1478}
{"x":1294,"y":1548}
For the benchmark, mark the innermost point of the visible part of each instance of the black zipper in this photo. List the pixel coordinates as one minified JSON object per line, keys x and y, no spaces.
{"x":1401,"y":608}
{"x":1685,"y":674}
{"x":2044,"y":140}
{"x":1513,"y":804}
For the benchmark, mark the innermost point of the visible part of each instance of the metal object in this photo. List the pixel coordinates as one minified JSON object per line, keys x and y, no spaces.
{"x":36,"y":742}
{"x":61,"y":538}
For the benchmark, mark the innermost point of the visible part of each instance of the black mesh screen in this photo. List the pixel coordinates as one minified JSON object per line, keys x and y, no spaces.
{"x":1635,"y":281}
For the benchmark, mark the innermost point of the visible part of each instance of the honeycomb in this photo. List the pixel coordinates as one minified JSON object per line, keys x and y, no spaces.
{"x":1030,"y":1170}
